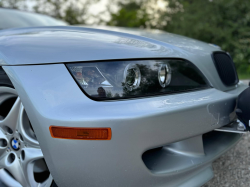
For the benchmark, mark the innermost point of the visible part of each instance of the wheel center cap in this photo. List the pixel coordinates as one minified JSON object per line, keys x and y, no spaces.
{"x":15,"y":144}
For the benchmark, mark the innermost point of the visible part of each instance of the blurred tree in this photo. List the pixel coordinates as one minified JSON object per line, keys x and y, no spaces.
{"x":222,"y":22}
{"x":15,"y":4}
{"x":128,"y":15}
{"x":143,"y":13}
{"x":72,"y":11}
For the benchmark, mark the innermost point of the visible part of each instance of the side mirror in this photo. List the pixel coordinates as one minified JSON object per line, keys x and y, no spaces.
{"x":243,"y":108}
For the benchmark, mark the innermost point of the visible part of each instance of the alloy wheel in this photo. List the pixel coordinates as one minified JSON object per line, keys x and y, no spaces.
{"x":21,"y":159}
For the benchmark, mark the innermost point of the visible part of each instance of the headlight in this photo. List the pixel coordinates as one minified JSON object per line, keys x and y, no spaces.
{"x":132,"y":77}
{"x":127,"y":79}
{"x":164,"y":75}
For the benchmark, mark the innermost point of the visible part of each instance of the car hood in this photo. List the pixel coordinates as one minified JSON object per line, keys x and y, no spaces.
{"x":43,"y":45}
{"x":183,"y":42}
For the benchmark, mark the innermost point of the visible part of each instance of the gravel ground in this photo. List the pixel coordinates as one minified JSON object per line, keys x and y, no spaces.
{"x":233,"y":168}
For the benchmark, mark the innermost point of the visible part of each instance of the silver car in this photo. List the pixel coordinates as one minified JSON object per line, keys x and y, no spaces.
{"x":111,"y":107}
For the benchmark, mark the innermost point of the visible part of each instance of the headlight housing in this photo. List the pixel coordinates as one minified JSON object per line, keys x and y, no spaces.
{"x":139,"y":78}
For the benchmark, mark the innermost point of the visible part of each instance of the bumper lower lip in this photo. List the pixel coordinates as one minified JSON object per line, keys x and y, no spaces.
{"x":149,"y":123}
{"x":235,"y":127}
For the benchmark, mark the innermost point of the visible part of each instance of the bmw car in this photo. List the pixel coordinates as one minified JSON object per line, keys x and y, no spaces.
{"x":111,"y":106}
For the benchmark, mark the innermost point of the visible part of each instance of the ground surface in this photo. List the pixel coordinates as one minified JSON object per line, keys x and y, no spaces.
{"x":233,"y":168}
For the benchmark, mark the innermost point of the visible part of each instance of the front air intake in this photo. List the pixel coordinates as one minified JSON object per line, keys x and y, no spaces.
{"x":225,"y":67}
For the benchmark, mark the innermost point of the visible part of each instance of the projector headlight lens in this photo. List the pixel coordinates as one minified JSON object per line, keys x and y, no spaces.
{"x":129,"y":79}
{"x":164,"y":75}
{"x":132,"y":76}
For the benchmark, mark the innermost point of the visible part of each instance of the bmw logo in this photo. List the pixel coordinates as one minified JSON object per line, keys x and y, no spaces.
{"x":15,"y":144}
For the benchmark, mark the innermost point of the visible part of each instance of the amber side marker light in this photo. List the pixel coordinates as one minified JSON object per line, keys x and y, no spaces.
{"x":80,"y":133}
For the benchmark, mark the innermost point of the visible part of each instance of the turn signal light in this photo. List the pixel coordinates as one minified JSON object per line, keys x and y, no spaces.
{"x":80,"y":133}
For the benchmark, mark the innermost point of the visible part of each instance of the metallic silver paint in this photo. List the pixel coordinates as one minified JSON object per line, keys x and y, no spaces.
{"x":51,"y":97}
{"x":173,"y":160}
{"x":189,"y":147}
{"x":235,"y":127}
{"x":44,"y":45}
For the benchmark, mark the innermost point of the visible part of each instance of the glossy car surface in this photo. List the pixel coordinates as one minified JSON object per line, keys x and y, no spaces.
{"x":161,"y":140}
{"x":17,"y":19}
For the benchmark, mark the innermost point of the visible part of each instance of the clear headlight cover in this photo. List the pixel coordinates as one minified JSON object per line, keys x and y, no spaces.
{"x":140,"y":78}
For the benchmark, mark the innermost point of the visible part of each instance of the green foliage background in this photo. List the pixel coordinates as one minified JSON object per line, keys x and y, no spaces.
{"x":222,"y":22}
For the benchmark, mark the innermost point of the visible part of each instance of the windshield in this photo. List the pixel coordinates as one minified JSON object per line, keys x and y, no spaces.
{"x":13,"y":18}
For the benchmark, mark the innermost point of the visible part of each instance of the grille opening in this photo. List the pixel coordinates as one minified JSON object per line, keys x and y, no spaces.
{"x":6,"y":106}
{"x":226,"y":69}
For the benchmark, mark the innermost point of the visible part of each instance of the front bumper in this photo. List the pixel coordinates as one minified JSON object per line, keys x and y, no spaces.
{"x":51,"y":97}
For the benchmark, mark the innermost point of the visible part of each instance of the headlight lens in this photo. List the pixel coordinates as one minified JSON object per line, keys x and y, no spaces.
{"x":132,"y":77}
{"x":127,"y":79}
{"x":164,"y":75}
